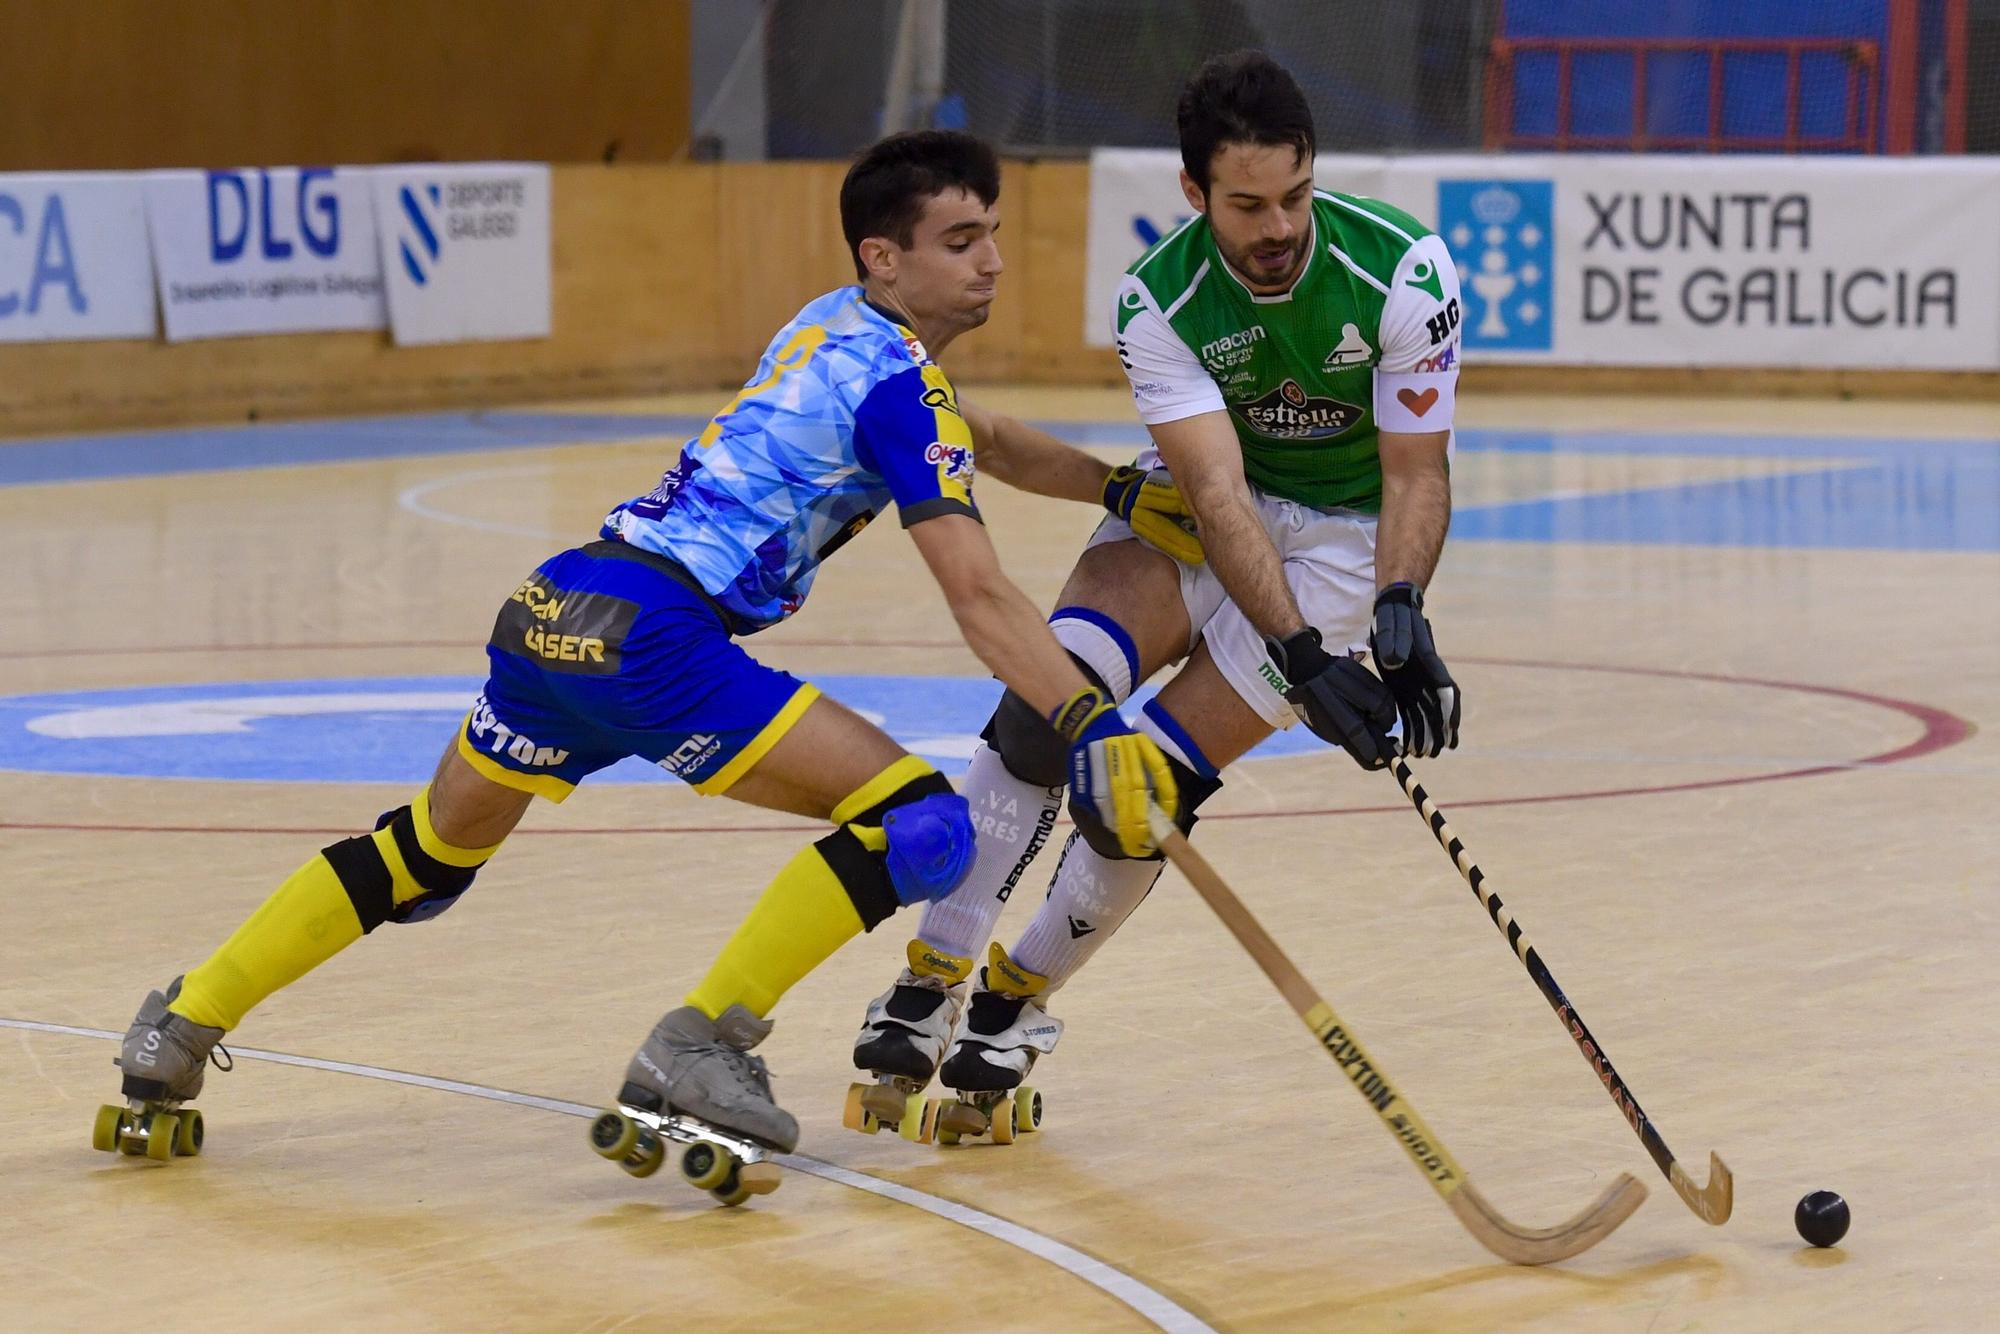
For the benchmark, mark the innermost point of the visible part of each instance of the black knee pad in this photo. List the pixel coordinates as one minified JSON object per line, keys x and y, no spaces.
{"x":1028,"y":745}
{"x":1194,"y":790}
{"x":372,"y":885}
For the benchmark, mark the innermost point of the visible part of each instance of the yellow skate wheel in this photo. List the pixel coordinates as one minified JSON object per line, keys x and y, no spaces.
{"x":855,"y":1115}
{"x":161,"y":1128}
{"x":732,"y":1198}
{"x":1027,"y":1110}
{"x":707,"y":1167}
{"x":1003,"y":1121}
{"x":910,"y":1120}
{"x":614,"y":1135}
{"x":644,"y":1160}
{"x":187,"y":1140}
{"x":104,"y":1131}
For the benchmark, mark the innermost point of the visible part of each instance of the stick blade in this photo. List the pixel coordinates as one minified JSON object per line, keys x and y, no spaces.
{"x":1712,"y":1203}
{"x":1519,"y":1245}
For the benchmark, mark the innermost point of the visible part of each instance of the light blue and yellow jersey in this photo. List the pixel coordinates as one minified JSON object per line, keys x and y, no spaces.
{"x":846,"y":414}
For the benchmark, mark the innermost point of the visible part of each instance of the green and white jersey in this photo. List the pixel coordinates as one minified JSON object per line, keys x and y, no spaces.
{"x":1365,"y":341}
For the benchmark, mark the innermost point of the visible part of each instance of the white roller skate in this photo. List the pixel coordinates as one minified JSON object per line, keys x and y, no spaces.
{"x":165,"y":1058}
{"x":1003,"y":1032}
{"x":900,"y":1043}
{"x":694,"y":1082}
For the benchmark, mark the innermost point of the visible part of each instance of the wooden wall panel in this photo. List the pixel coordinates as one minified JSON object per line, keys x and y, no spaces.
{"x":227,"y":83}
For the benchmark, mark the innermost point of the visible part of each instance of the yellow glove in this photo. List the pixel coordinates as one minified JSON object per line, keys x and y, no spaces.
{"x":1114,"y":773}
{"x":1153,"y":505}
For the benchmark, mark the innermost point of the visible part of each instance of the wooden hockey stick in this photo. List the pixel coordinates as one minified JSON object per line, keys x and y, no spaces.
{"x":1509,"y":1241}
{"x":1711,"y":1203}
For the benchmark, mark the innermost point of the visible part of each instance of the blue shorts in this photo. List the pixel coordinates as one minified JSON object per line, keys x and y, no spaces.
{"x":604,"y":652}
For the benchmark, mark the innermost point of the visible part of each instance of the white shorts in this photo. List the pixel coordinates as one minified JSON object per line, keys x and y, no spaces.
{"x":1329,"y":558}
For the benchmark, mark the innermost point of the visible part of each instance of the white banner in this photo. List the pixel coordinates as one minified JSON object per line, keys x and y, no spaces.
{"x":73,"y":258}
{"x":1135,"y":199}
{"x":465,"y":250}
{"x":1658,"y":260}
{"x":277,"y":250}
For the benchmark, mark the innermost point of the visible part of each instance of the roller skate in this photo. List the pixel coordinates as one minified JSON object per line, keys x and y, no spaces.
{"x":165,"y":1057}
{"x":901,"y":1039}
{"x":1004,"y":1031}
{"x":694,"y":1082}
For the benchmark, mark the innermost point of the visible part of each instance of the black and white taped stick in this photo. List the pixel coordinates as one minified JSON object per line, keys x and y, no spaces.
{"x":1711,"y":1203}
{"x":1492,"y":1229}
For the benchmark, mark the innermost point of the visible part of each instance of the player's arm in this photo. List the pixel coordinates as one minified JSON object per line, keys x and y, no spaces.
{"x":1030,"y":459}
{"x":1416,"y":385}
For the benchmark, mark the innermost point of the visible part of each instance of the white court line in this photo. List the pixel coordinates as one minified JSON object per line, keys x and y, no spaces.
{"x":1154,"y":1307}
{"x":412,"y":499}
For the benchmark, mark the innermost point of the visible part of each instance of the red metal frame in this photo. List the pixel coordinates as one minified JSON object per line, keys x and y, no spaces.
{"x":1954,"y":66}
{"x":1858,"y":123}
{"x":1901,"y":132}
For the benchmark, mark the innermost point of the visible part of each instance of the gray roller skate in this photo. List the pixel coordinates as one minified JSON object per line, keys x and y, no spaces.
{"x":902,"y":1038}
{"x":1004,"y":1030}
{"x":165,"y":1057}
{"x":693,"y":1081}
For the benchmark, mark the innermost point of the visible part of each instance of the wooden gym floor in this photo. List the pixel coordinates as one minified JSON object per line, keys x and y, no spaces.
{"x":1730,"y":671}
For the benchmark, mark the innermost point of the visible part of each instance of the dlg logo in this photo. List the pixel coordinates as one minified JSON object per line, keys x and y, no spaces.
{"x":422,"y":229}
{"x":1502,"y":236}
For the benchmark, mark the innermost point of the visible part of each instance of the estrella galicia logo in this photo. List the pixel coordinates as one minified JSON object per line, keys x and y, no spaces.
{"x":1290,"y":413}
{"x":422,"y":229}
{"x":1502,"y":236}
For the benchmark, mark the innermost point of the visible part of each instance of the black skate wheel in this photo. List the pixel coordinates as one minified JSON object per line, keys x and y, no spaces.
{"x":104,"y":1131}
{"x":614,"y":1135}
{"x":161,"y":1128}
{"x":187,"y":1140}
{"x":707,"y":1167}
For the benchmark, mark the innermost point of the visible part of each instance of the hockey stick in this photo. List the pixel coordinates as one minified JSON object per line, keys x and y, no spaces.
{"x":1711,"y":1203}
{"x":1509,"y":1241}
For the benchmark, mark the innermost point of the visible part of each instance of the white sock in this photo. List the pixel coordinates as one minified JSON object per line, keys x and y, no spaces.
{"x":1013,"y":820}
{"x":1090,"y":897}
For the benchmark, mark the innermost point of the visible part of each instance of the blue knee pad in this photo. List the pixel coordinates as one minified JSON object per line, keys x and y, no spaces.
{"x":930,"y":846}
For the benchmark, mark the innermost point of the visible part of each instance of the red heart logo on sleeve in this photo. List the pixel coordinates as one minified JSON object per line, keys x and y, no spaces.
{"x":1416,"y":402}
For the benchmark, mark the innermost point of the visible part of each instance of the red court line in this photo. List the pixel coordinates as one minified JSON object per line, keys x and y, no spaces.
{"x":1941,"y":730}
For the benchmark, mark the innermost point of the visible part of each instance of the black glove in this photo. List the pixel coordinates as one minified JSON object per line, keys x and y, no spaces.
{"x":1339,"y":699}
{"x":1426,"y":696}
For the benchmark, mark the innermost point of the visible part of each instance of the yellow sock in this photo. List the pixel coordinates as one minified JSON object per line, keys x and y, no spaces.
{"x":306,"y":922}
{"x":802,"y":918}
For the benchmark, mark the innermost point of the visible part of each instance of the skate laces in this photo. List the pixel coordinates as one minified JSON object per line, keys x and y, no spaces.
{"x":220,"y":1058}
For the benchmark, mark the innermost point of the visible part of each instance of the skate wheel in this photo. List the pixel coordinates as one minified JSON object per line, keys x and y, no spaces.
{"x":187,"y":1140}
{"x":161,"y":1128}
{"x":645,"y":1160}
{"x":732,"y":1198}
{"x":104,"y":1131}
{"x":614,"y":1135}
{"x":1003,"y":1121}
{"x":855,"y":1115}
{"x":1027,"y":1110}
{"x":707,"y":1167}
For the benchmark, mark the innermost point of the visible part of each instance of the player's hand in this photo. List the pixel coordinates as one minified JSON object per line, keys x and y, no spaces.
{"x":1155,"y":508}
{"x":1426,"y":696}
{"x":1114,"y":772}
{"x":1339,"y":699}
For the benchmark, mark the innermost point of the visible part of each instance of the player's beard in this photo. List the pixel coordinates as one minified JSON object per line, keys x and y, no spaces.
{"x":1244,"y":261}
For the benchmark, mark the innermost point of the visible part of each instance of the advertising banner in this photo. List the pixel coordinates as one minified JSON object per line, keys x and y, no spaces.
{"x":1659,"y":260}
{"x":465,"y":250}
{"x":267,"y":250}
{"x":73,"y":258}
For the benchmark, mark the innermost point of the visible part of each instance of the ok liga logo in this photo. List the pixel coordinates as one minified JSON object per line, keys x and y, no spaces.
{"x":1502,"y":237}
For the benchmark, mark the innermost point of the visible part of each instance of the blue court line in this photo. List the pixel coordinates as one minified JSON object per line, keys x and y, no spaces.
{"x":1877,"y":493}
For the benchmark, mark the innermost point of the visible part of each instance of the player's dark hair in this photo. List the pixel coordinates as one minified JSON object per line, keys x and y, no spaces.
{"x":1244,"y":97}
{"x":887,"y":187}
